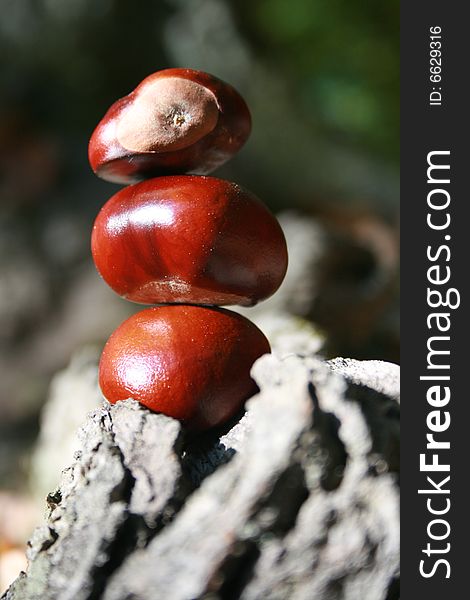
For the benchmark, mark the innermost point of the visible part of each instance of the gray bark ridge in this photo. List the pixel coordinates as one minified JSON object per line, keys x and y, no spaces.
{"x":298,"y":500}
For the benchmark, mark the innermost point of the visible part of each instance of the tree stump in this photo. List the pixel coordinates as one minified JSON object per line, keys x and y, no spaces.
{"x":298,"y":499}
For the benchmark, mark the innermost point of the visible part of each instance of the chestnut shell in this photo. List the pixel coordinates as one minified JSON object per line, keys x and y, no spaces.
{"x":191,"y":363}
{"x":192,"y":239}
{"x":110,"y":160}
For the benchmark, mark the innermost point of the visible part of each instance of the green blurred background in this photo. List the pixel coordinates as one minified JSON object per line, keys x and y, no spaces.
{"x":321,"y":79}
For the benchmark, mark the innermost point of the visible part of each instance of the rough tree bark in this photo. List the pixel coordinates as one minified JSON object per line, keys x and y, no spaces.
{"x":297,"y":500}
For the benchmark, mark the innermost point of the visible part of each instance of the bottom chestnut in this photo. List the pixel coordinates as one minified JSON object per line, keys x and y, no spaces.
{"x":188,"y":362}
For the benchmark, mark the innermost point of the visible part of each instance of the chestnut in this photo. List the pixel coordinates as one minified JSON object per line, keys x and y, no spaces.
{"x":188,"y":238}
{"x":191,"y":363}
{"x":175,"y":121}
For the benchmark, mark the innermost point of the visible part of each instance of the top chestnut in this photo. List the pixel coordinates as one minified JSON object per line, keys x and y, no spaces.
{"x":175,"y":121}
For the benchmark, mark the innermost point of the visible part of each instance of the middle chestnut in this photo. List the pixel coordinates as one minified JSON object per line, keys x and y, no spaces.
{"x":189,"y":239}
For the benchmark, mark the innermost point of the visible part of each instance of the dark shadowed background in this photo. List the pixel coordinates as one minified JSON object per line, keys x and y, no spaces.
{"x":321,"y":79}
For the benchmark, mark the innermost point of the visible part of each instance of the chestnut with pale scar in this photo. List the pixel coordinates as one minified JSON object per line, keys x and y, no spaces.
{"x":176,"y":121}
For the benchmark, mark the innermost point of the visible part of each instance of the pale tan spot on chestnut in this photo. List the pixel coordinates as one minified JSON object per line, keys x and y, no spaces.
{"x":168,"y":114}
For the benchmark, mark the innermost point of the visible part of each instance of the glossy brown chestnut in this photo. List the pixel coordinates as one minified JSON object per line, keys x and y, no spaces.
{"x":175,"y":121}
{"x":188,"y":362}
{"x":188,"y":238}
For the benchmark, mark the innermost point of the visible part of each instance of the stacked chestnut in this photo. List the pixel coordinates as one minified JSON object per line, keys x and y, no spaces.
{"x":187,"y":243}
